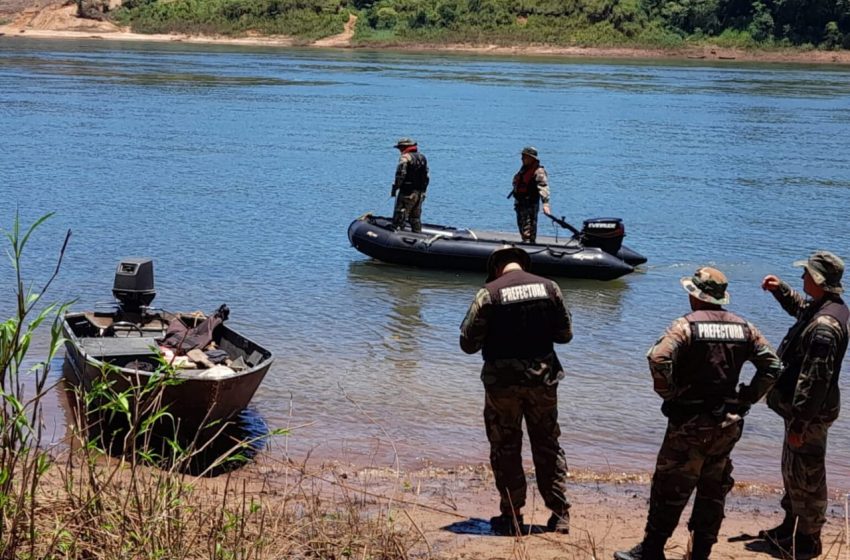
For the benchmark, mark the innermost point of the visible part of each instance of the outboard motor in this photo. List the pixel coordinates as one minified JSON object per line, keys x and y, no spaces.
{"x":605,"y":233}
{"x":133,"y":285}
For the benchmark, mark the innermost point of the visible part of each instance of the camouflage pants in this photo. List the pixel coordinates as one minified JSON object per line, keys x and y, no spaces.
{"x":526,"y":221}
{"x":408,"y":207}
{"x":804,"y":476}
{"x":695,"y":454}
{"x":504,"y":410}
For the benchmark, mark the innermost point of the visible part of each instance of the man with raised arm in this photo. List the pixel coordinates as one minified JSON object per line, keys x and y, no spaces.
{"x":807,"y":397}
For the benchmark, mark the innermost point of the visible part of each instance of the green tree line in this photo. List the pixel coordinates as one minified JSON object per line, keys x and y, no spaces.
{"x":823,"y":24}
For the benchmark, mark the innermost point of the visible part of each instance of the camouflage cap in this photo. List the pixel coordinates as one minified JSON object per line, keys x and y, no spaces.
{"x":504,"y":255}
{"x":707,"y":284}
{"x":530,"y":151}
{"x":405,"y":143}
{"x":825,"y":269}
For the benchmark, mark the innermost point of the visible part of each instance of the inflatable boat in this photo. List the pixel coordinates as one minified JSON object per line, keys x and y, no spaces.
{"x":595,"y":252}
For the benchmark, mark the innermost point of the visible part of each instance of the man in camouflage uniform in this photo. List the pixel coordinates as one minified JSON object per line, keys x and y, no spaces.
{"x":411,"y":181}
{"x":530,"y":188}
{"x":515,"y":320}
{"x":696,"y":366}
{"x":807,"y":397}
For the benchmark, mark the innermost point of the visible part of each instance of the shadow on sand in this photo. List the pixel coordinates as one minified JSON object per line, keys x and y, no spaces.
{"x":475,"y":526}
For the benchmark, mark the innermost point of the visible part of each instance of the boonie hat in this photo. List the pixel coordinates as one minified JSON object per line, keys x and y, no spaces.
{"x":707,"y":284}
{"x":825,"y":269}
{"x":504,"y":255}
{"x":405,"y":143}
{"x":530,"y":151}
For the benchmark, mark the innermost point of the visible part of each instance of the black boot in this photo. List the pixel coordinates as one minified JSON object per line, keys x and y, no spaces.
{"x":780,"y":532}
{"x":802,"y":547}
{"x":651,"y":548}
{"x":507,"y":524}
{"x":701,"y":546}
{"x":559,"y":523}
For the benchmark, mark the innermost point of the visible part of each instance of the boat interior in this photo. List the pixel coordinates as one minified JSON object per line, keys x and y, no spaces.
{"x":127,"y":332}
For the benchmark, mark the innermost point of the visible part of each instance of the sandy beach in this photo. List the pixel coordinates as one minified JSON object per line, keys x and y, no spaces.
{"x":57,"y":21}
{"x":449,"y":509}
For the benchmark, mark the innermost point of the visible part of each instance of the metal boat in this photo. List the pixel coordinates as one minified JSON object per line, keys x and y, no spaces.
{"x":121,"y":345}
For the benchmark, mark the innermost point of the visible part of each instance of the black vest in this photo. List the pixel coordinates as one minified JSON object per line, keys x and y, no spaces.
{"x":792,"y":353}
{"x":526,"y":192}
{"x":521,"y":320}
{"x":416,"y":178}
{"x":721,"y":342}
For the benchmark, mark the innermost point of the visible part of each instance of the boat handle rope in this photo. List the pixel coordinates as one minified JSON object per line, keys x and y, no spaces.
{"x":435,"y":237}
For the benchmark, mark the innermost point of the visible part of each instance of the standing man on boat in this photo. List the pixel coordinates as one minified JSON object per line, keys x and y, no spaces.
{"x":530,"y":188}
{"x":695,"y":367}
{"x":807,"y":396}
{"x":411,"y":181}
{"x":515,"y":320}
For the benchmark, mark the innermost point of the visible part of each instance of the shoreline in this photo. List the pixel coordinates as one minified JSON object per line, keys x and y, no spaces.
{"x":60,"y":22}
{"x":449,"y":508}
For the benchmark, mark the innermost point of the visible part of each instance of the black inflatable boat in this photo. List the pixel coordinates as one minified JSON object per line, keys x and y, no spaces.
{"x":595,"y":252}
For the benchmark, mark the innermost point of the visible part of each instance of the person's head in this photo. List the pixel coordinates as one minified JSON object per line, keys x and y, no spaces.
{"x":501,"y":258}
{"x":404,"y":143}
{"x":707,"y":288}
{"x":822,"y":273}
{"x":529,"y":155}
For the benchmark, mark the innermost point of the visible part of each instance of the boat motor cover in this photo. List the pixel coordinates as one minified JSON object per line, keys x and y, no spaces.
{"x":605,"y":233}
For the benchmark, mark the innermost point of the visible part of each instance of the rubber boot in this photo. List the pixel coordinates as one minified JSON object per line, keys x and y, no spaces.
{"x":651,"y":548}
{"x":803,"y":547}
{"x":782,"y":531}
{"x":559,"y":523}
{"x":701,"y":546}
{"x":507,"y":524}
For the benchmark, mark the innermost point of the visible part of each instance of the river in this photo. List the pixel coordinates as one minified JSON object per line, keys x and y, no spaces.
{"x":238,"y":169}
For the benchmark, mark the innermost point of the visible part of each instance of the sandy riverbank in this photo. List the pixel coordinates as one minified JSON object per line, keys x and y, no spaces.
{"x":449,"y":509}
{"x":57,"y":21}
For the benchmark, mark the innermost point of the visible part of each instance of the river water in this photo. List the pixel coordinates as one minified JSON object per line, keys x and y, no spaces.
{"x":239,"y":170}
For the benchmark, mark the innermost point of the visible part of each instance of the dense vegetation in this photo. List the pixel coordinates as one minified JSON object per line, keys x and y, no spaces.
{"x":744,"y":23}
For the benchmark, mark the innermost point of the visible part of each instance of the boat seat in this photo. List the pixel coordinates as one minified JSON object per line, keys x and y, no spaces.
{"x":101,"y":322}
{"x":102,"y":348}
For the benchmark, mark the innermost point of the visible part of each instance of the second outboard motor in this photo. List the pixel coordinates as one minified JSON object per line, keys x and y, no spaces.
{"x":605,"y":233}
{"x":133,"y":285}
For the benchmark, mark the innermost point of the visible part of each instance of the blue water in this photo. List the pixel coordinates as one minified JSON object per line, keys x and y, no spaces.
{"x":239,"y":170}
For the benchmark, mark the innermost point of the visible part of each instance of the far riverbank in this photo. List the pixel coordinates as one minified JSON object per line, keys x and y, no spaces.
{"x":60,"y":22}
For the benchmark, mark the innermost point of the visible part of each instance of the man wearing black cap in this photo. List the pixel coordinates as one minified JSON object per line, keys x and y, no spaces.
{"x":530,"y":188}
{"x":695,"y":367}
{"x":411,"y":181}
{"x":807,"y":397}
{"x":515,"y":320}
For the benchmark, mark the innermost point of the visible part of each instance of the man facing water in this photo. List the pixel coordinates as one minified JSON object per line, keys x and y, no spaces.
{"x":515,"y":320}
{"x":530,"y":188}
{"x":695,"y":367}
{"x":807,"y":396}
{"x":411,"y":181}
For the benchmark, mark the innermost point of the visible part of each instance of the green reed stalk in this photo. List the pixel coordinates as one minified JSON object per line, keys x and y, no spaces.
{"x":22,"y":461}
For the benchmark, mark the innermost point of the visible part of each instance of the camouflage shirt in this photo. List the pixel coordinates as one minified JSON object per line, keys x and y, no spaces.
{"x":821,"y":342}
{"x":663,"y":362}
